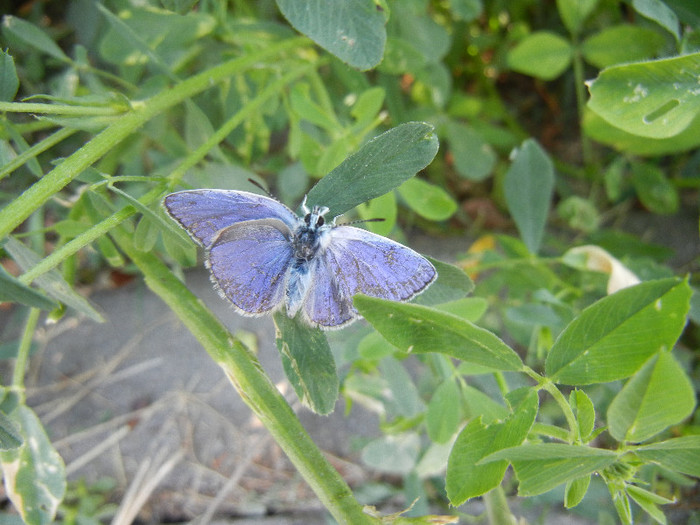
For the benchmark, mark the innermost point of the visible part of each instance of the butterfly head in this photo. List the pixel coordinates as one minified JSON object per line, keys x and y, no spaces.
{"x":313,"y":218}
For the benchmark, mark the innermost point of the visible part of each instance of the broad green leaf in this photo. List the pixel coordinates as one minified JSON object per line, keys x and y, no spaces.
{"x":51,"y":282}
{"x":466,"y":10}
{"x":469,"y":308}
{"x":451,"y":284}
{"x":419,"y":329}
{"x":392,"y":454}
{"x":528,"y":187}
{"x":656,"y":397}
{"x":466,"y":478}
{"x":575,"y":491}
{"x":574,"y":13}
{"x":32,"y":36}
{"x":681,"y":454}
{"x":612,"y":338}
{"x":35,"y":476}
{"x":474,"y":159}
{"x":479,"y":404}
{"x":649,"y":501}
{"x":146,"y":234}
{"x":383,"y":207}
{"x":426,"y":35}
{"x":542,"y":54}
{"x":443,"y":414}
{"x":10,"y":434}
{"x":623,"y":43}
{"x":14,"y":291}
{"x":374,"y":347}
{"x":584,"y":411}
{"x":381,"y":165}
{"x":368,"y":105}
{"x":655,"y":191}
{"x":660,"y":13}
{"x":656,"y":99}
{"x":352,"y":30}
{"x":308,"y":363}
{"x":427,"y":200}
{"x":9,"y":83}
{"x":541,"y":467}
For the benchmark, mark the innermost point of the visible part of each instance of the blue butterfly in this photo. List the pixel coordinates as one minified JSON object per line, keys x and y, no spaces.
{"x":262,"y":256}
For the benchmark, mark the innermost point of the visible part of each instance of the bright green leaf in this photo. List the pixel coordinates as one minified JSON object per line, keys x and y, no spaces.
{"x":656,"y":397}
{"x":308,"y":363}
{"x":681,"y":454}
{"x":427,"y":200}
{"x":368,"y":105}
{"x":383,"y":207}
{"x":419,"y":329}
{"x":9,"y":83}
{"x":542,"y":54}
{"x":655,"y":191}
{"x":443,"y":414}
{"x":474,"y":159}
{"x":575,"y":491}
{"x":14,"y":291}
{"x":541,"y":467}
{"x":528,"y":188}
{"x":648,"y":501}
{"x":381,"y":165}
{"x":352,"y":30}
{"x":655,"y":99}
{"x":574,"y":13}
{"x":32,"y":36}
{"x":479,"y":404}
{"x":584,"y":411}
{"x":35,"y":476}
{"x":612,"y":338}
{"x":660,"y":13}
{"x":622,"y":43}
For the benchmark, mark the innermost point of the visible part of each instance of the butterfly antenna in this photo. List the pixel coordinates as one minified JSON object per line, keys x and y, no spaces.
{"x":256,"y":183}
{"x":360,"y":221}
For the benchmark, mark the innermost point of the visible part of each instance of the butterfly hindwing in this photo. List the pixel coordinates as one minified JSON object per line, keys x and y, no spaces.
{"x":358,"y":261}
{"x":250,"y":263}
{"x":203,"y":213}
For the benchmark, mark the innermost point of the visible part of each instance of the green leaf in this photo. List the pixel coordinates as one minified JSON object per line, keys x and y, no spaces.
{"x":308,"y":109}
{"x":528,"y":187}
{"x":584,"y":411}
{"x":427,"y":200}
{"x":32,"y":36}
{"x":655,"y":99}
{"x":680,"y":454}
{"x":443,"y":415}
{"x":656,"y":397}
{"x":392,"y":454}
{"x":15,"y":291}
{"x":541,"y":467}
{"x":648,"y":501}
{"x":9,"y":83}
{"x":10,"y":434}
{"x":575,"y":491}
{"x":419,"y":329}
{"x":368,"y":105}
{"x":466,"y":478}
{"x":352,"y":30}
{"x":35,"y":476}
{"x":622,"y":43}
{"x":383,"y":207}
{"x":574,"y":13}
{"x":308,"y":363}
{"x":612,"y":338}
{"x":381,"y":165}
{"x":660,"y":13}
{"x":542,"y":54}
{"x":451,"y":284}
{"x":51,"y":282}
{"x":655,"y":191}
{"x":474,"y":159}
{"x":466,"y":10}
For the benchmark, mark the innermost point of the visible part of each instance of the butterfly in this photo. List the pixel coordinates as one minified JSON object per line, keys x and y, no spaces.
{"x":262,"y":256}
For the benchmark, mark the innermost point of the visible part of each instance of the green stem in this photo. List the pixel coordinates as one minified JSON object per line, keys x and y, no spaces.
{"x":35,"y":150}
{"x":60,"y":109}
{"x":552,"y":389}
{"x":25,"y":345}
{"x":580,"y":87}
{"x":497,"y":508}
{"x":20,"y":208}
{"x":256,"y":389}
{"x":103,"y":227}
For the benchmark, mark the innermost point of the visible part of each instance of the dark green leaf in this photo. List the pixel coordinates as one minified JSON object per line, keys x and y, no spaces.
{"x":33,"y":36}
{"x":10,"y":434}
{"x":419,"y":329}
{"x":452,"y":284}
{"x":352,"y":30}
{"x":612,"y":338}
{"x":14,"y":291}
{"x":308,"y":363}
{"x":660,"y":13}
{"x":473,"y":157}
{"x":655,"y":191}
{"x":381,"y":165}
{"x":528,"y":188}
{"x":9,"y":83}
{"x":656,"y":397}
{"x":574,"y":13}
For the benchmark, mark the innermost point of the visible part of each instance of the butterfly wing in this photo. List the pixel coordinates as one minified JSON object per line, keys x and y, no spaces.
{"x":357,"y":261}
{"x":203,"y":213}
{"x":250,"y":263}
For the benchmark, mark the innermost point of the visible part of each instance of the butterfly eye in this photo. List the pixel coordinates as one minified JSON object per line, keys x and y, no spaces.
{"x":320,"y":221}
{"x":307,"y":219}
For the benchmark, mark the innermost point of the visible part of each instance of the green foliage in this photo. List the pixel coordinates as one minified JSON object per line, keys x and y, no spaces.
{"x":100,"y":120}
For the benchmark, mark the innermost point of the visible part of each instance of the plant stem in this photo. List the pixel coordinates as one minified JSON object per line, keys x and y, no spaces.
{"x":580,"y":88}
{"x":25,"y":345}
{"x":565,"y":408}
{"x":60,"y":109}
{"x":255,"y":388}
{"x":20,"y":208}
{"x":497,"y":508}
{"x":37,"y":148}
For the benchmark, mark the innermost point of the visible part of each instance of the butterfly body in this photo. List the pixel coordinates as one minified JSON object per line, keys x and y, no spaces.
{"x":262,"y":256}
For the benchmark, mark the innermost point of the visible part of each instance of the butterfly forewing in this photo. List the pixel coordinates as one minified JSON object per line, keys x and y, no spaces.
{"x":203,"y":213}
{"x":250,"y":263}
{"x":358,"y":261}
